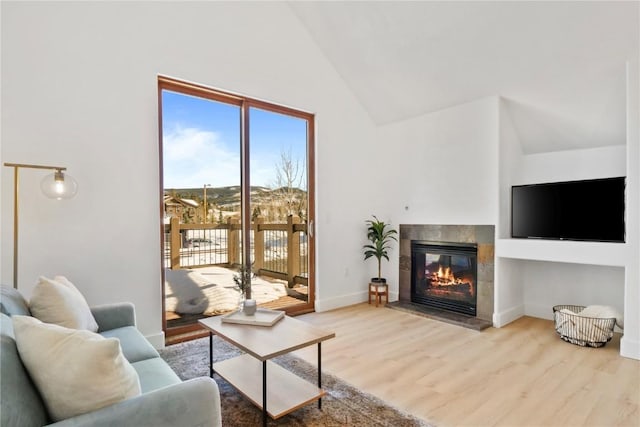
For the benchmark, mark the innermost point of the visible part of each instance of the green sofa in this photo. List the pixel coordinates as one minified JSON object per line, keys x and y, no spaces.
{"x":165,"y":399}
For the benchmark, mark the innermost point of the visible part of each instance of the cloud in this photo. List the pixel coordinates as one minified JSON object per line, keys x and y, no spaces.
{"x":263,"y":171}
{"x":193,"y":157}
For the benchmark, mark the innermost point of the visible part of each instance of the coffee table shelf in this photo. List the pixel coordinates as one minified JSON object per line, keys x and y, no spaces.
{"x":267,"y":385}
{"x":286,"y":392}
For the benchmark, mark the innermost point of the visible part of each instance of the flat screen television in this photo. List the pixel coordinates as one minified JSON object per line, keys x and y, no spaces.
{"x":589,"y":210}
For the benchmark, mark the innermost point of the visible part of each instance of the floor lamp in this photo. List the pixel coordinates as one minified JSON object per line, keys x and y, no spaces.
{"x":56,"y":185}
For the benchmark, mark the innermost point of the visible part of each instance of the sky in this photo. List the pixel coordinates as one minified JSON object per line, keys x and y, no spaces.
{"x":201,"y":142}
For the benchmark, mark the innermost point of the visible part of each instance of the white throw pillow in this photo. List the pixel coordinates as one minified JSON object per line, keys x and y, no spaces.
{"x":58,"y":301}
{"x":76,"y":371}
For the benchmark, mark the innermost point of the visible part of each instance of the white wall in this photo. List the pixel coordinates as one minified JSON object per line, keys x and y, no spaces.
{"x":509,"y":291}
{"x":508,"y":288}
{"x":572,"y":165}
{"x":79,"y":90}
{"x":510,"y":161}
{"x":438,"y":168}
{"x":630,"y":342}
{"x":447,"y":165}
{"x":546,"y":284}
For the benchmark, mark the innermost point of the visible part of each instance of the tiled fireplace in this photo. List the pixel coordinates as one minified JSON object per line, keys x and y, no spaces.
{"x":448,"y":268}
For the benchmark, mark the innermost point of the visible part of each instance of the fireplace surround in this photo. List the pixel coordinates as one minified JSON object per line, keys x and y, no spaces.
{"x":482,"y":237}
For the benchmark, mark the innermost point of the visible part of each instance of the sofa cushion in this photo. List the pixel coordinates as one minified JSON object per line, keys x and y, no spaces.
{"x":59,"y":302}
{"x":154,"y":374}
{"x":114,"y":315}
{"x":135,"y":346}
{"x":21,"y":403}
{"x":75,"y":371}
{"x":12,"y":302}
{"x":6,"y":326}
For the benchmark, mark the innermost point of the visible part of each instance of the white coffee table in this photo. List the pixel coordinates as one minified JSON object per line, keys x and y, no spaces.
{"x":268,"y":385}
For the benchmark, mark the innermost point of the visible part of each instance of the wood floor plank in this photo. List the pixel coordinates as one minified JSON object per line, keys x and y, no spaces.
{"x":518,"y":375}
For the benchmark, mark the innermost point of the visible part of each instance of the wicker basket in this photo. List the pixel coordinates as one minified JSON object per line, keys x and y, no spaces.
{"x":581,"y":330}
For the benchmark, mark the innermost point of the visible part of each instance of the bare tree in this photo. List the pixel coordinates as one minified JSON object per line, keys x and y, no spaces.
{"x":287,"y":196}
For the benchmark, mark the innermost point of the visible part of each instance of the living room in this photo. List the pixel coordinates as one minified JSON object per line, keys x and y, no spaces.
{"x":79,"y":89}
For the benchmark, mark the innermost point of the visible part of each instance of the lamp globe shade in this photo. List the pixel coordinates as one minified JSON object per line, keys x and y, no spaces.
{"x":59,"y":185}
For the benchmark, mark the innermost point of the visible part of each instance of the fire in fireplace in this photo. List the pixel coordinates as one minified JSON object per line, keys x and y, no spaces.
{"x":444,"y":275}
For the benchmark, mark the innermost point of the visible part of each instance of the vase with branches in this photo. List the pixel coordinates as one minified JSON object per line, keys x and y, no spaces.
{"x":242,"y":279}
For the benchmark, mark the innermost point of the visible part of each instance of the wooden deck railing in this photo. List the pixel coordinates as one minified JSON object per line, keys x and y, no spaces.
{"x":278,"y":250}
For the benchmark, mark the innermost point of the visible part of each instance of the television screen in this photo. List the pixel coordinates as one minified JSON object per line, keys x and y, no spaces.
{"x":590,"y":210}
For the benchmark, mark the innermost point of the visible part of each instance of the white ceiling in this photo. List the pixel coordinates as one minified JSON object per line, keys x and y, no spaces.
{"x":560,"y":66}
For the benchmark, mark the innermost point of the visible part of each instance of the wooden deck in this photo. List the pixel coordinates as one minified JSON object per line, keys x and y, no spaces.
{"x":225,"y":278}
{"x":281,"y":303}
{"x":175,"y":320}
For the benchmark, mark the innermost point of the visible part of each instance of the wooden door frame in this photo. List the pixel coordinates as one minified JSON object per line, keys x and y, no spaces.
{"x":245,"y":104}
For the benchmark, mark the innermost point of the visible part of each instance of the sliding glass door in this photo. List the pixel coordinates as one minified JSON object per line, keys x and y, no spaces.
{"x":236,"y":194}
{"x":279,"y":201}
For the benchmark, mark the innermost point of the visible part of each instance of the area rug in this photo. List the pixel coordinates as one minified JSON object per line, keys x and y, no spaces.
{"x":344,"y":405}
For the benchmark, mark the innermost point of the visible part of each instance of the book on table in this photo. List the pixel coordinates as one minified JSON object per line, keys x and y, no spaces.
{"x":262,"y":317}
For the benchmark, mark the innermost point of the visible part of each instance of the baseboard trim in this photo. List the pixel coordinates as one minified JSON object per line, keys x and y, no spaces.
{"x":507,"y":316}
{"x":347,"y":300}
{"x":629,"y":348}
{"x":327,"y":304}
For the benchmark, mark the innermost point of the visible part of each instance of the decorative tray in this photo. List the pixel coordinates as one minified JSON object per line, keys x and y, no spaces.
{"x":262,"y":317}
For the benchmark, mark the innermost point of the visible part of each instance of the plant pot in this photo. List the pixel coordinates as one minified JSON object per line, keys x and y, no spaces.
{"x":378,"y":280}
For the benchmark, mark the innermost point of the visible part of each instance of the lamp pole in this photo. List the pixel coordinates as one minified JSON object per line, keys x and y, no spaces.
{"x":57,"y":185}
{"x":204,"y":203}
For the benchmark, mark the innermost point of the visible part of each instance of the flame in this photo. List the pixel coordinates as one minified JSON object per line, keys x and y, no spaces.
{"x":445,"y":275}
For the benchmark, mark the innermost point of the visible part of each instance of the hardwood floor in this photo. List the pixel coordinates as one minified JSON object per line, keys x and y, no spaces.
{"x":519,"y":375}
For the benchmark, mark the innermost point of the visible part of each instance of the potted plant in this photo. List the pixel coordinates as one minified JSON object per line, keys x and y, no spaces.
{"x":380,"y":235}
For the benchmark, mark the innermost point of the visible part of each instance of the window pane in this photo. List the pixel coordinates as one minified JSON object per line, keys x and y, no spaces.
{"x":201,"y":180}
{"x":278,"y":176}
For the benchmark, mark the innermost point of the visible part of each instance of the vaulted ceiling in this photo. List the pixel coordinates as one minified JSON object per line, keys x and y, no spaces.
{"x":559,"y":66}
